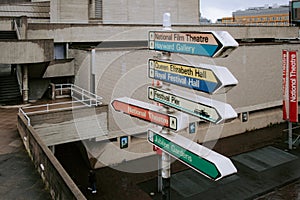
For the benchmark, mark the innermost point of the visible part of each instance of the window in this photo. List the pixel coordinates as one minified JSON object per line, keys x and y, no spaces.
{"x":95,"y":9}
{"x":60,"y":51}
{"x":98,"y":9}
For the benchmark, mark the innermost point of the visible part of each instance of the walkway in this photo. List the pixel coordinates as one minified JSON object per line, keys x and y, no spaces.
{"x":18,"y":177}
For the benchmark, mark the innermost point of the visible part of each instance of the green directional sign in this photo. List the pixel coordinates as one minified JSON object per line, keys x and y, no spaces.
{"x":205,"y":161}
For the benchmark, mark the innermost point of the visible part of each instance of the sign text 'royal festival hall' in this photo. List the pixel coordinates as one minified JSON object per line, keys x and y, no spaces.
{"x":204,"y":78}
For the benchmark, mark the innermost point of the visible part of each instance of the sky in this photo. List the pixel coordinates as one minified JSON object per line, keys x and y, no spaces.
{"x":215,"y":9}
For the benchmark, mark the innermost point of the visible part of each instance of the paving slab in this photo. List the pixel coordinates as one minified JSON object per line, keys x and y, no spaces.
{"x":259,"y":171}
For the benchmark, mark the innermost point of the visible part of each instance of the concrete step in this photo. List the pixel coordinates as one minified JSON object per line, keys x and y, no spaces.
{"x":9,"y":90}
{"x":8,"y":35}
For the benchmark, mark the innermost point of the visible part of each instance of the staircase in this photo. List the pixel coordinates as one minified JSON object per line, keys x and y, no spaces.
{"x":9,"y":90}
{"x":8,"y":35}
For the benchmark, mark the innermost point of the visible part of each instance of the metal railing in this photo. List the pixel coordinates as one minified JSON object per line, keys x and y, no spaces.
{"x":79,"y":94}
{"x":21,"y":111}
{"x":297,"y":135}
{"x":16,"y":28}
{"x":83,"y":98}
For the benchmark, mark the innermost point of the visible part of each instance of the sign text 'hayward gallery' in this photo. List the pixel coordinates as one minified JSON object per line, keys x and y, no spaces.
{"x":211,"y":44}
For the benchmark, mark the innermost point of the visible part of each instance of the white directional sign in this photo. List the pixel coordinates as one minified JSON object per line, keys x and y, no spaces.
{"x":205,"y":161}
{"x":204,"y":108}
{"x":150,"y":113}
{"x":205,"y":78}
{"x":211,"y":44}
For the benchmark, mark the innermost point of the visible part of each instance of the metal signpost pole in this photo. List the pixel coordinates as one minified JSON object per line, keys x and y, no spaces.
{"x":290,"y":125}
{"x":166,"y":172}
{"x":165,"y":157}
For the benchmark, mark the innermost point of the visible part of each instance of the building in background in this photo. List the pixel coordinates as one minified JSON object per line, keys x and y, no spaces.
{"x":295,"y":12}
{"x":124,"y":12}
{"x":260,"y":16}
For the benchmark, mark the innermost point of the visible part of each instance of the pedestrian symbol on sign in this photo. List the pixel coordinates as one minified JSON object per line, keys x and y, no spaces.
{"x":124,"y":142}
{"x":192,"y":128}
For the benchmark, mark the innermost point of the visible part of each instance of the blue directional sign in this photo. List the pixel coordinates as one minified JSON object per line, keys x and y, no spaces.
{"x":211,"y":44}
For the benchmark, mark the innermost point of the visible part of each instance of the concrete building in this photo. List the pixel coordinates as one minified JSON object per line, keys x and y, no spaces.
{"x":124,"y":12}
{"x":295,"y":12}
{"x":104,"y":49}
{"x":260,"y":16}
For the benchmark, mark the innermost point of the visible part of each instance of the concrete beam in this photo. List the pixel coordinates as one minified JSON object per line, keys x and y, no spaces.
{"x":29,"y":51}
{"x":101,"y":32}
{"x":60,"y":68}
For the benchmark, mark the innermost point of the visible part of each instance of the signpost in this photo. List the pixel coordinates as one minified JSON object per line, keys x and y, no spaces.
{"x":205,"y":78}
{"x":205,"y":161}
{"x":285,"y":85}
{"x":211,"y":44}
{"x":290,"y":90}
{"x":204,"y":108}
{"x":150,"y":113}
{"x":293,"y":86}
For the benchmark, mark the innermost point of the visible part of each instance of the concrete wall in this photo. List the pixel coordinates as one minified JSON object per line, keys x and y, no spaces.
{"x":60,"y":68}
{"x":57,"y":180}
{"x":37,"y":88}
{"x":82,"y":66}
{"x":21,"y":52}
{"x":126,"y":11}
{"x":257,"y":68}
{"x":56,"y":117}
{"x":6,"y":24}
{"x":96,"y":33}
{"x":69,"y":11}
{"x":150,"y":11}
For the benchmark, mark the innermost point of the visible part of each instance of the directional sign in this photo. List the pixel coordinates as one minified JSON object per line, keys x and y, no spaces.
{"x":205,"y":78}
{"x":207,"y":162}
{"x":150,"y":113}
{"x":204,"y":108}
{"x":211,"y":44}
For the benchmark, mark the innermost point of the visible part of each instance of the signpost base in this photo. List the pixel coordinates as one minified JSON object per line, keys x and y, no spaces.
{"x":166,"y":175}
{"x":159,"y":177}
{"x":290,"y":124}
{"x":166,"y":188}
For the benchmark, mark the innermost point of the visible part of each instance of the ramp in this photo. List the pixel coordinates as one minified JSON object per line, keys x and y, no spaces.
{"x":73,"y":130}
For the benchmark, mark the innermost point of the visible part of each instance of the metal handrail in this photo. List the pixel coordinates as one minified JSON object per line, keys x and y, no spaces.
{"x":84,"y":93}
{"x":87,"y":100}
{"x":25,"y":115}
{"x":49,"y":109}
{"x":49,"y":105}
{"x":16,"y":28}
